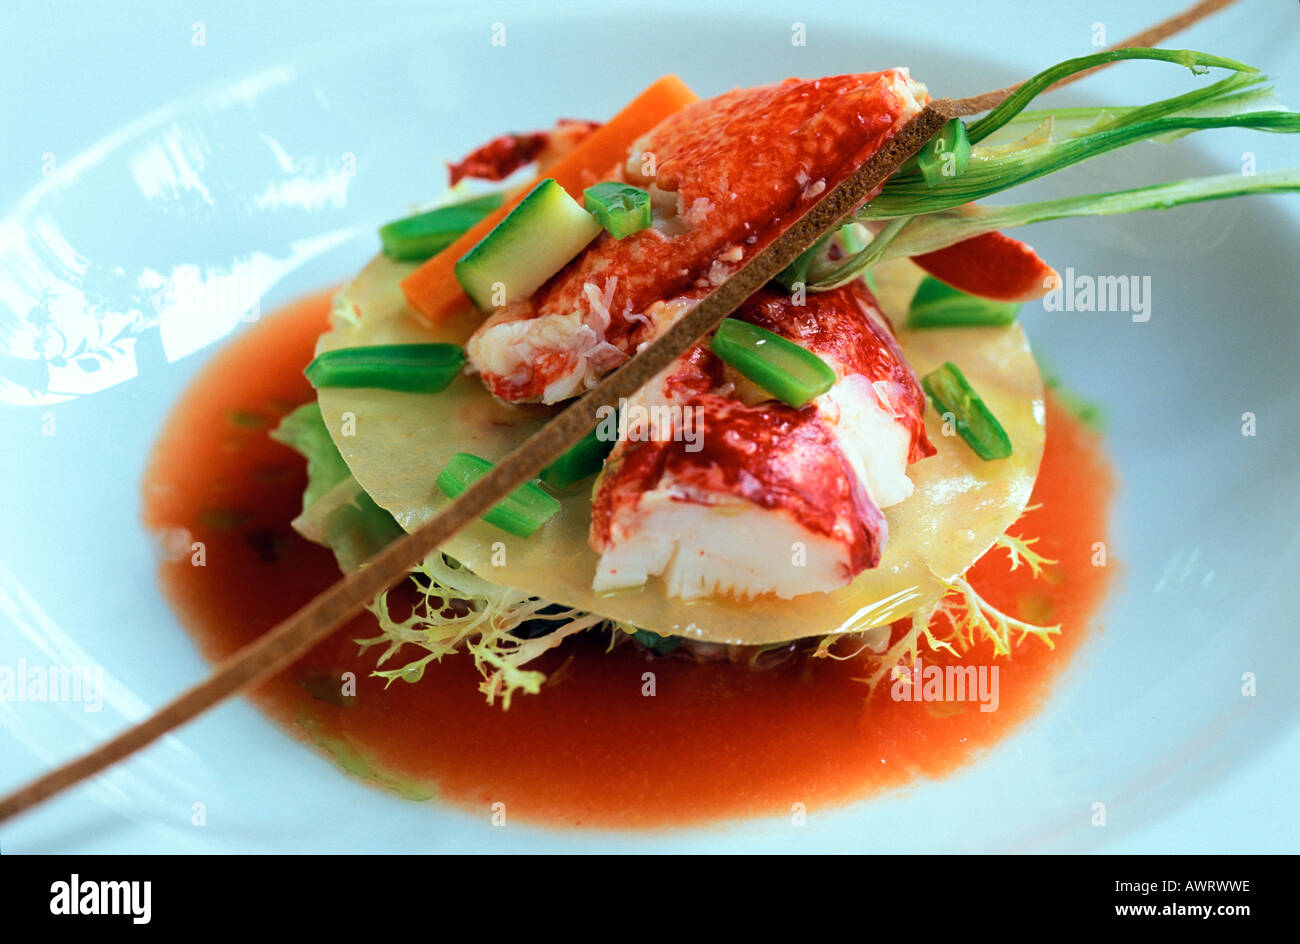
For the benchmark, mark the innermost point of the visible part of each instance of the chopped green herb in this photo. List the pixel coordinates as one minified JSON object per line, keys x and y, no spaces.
{"x":621,"y":209}
{"x":581,"y":461}
{"x":943,"y":156}
{"x":938,"y":305}
{"x":974,"y":421}
{"x":416,"y":238}
{"x":792,"y":374}
{"x":411,"y":368}
{"x":522,"y":512}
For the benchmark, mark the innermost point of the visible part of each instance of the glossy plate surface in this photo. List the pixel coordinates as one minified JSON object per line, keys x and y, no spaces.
{"x":138,"y":251}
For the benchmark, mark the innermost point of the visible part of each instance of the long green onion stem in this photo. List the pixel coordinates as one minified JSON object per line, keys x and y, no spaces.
{"x":985,"y":176}
{"x":913,"y":236}
{"x":913,"y":214}
{"x":1197,"y":62}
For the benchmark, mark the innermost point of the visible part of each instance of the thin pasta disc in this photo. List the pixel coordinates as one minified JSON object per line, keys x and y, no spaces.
{"x":396,"y":443}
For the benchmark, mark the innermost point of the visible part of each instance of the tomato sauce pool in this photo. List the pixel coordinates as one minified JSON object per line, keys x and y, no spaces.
{"x":716,"y":741}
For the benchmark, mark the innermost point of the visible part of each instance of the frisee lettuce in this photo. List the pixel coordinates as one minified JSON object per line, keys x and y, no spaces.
{"x":954,"y":624}
{"x":456,"y":610}
{"x":453,"y":610}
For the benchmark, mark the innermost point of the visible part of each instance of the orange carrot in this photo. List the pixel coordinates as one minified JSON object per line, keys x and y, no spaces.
{"x":432,"y":289}
{"x":991,"y":266}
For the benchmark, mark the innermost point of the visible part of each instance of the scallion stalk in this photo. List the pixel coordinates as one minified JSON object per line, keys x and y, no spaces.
{"x":928,"y":232}
{"x":987,"y":175}
{"x":620,"y":208}
{"x":792,"y":374}
{"x":974,"y":421}
{"x":944,"y":155}
{"x":521,"y":512}
{"x":409,"y":368}
{"x":423,"y":235}
{"x":928,"y":216}
{"x":796,"y":273}
{"x":1197,"y":62}
{"x":582,"y":461}
{"x":938,"y":305}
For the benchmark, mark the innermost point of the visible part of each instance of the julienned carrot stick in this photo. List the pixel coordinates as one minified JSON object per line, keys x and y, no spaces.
{"x":432,"y":289}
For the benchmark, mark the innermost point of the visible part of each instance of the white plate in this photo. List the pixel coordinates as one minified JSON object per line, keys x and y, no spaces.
{"x":280,"y":181}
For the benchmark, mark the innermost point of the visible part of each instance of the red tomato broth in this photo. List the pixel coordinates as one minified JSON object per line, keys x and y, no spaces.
{"x":716,"y":741}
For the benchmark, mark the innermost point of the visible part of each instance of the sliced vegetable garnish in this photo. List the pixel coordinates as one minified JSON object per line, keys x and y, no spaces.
{"x":972,"y":418}
{"x":620,"y":208}
{"x":410,"y":368}
{"x":936,"y":305}
{"x":521,"y":513}
{"x":581,"y":461}
{"x":792,"y":374}
{"x":540,"y":235}
{"x":943,"y":156}
{"x":434,"y":292}
{"x":416,"y":238}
